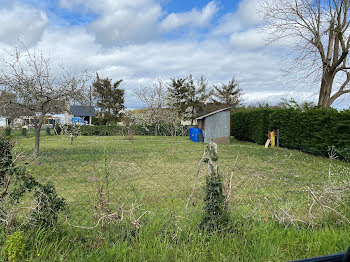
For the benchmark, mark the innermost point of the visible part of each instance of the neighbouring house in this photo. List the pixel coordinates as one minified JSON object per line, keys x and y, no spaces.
{"x":84,"y":112}
{"x":8,"y":122}
{"x":216,"y":126}
{"x":28,"y":121}
{"x":3,"y":122}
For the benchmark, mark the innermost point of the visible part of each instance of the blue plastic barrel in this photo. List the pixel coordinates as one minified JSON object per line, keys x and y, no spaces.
{"x":194,"y":132}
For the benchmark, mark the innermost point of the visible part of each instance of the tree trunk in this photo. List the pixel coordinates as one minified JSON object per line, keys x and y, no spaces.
{"x":192,"y":115}
{"x":37,"y":137}
{"x":326,"y":90}
{"x":37,"y":141}
{"x":156,"y":126}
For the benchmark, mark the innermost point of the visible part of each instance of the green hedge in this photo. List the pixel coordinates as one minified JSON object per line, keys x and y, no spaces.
{"x":100,"y":130}
{"x":140,"y":130}
{"x":311,"y":131}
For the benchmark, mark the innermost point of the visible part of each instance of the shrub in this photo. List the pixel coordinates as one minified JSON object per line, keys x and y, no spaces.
{"x":24,"y":131}
{"x":215,"y":215}
{"x":311,"y":131}
{"x":48,"y":131}
{"x":14,"y":182}
{"x":250,"y":125}
{"x":100,"y":130}
{"x":343,"y":153}
{"x":99,"y":121}
{"x":8,"y":131}
{"x":58,"y":129}
{"x":47,"y":203}
{"x":47,"y":206}
{"x":140,"y":130}
{"x":14,"y":246}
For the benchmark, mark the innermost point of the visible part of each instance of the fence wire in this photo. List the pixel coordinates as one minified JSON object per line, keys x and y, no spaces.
{"x":277,"y":184}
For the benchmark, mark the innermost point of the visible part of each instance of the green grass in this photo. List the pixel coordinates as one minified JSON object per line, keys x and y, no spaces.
{"x":156,"y":174}
{"x":160,"y":239}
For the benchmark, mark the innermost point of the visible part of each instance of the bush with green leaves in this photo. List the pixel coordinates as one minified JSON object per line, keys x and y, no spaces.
{"x":24,"y":131}
{"x":8,"y":131}
{"x":310,"y":130}
{"x":58,"y":129}
{"x":101,"y":130}
{"x":48,"y":205}
{"x":215,"y":215}
{"x":12,"y":175}
{"x":72,"y":131}
{"x":15,"y":182}
{"x":15,"y":246}
{"x":48,"y":131}
{"x":343,"y":153}
{"x":140,"y":130}
{"x":250,"y":124}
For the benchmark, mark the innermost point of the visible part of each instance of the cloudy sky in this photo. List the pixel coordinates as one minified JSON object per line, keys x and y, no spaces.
{"x":142,"y":40}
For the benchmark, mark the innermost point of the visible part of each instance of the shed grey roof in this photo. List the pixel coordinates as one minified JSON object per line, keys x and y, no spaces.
{"x":213,"y":113}
{"x":82,"y":110}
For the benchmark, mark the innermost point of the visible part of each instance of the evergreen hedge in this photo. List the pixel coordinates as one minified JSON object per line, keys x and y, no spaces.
{"x":312,"y":131}
{"x":100,"y":130}
{"x":140,"y":130}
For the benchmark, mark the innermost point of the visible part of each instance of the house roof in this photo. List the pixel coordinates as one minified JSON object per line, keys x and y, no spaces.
{"x":213,"y":113}
{"x":82,"y":110}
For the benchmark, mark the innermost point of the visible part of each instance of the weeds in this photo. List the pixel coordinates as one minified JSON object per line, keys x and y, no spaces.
{"x":215,"y":214}
{"x":15,"y":182}
{"x":161,"y":177}
{"x":24,"y":131}
{"x":72,"y":131}
{"x":47,"y":206}
{"x":15,"y":245}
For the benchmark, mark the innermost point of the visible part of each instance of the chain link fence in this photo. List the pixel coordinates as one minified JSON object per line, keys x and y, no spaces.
{"x":264,"y":184}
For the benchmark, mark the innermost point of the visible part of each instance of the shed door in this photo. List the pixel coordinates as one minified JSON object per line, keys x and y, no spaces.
{"x":201,"y":124}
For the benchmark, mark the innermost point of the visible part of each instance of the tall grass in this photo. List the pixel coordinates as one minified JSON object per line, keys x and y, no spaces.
{"x":163,"y":239}
{"x":165,"y":233}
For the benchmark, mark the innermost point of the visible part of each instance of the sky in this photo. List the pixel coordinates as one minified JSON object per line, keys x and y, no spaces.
{"x":140,"y":41}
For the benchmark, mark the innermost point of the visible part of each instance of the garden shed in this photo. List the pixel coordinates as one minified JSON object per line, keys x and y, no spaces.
{"x":216,"y":126}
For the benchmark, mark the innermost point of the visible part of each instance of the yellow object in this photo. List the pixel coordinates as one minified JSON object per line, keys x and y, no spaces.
{"x":272,"y":139}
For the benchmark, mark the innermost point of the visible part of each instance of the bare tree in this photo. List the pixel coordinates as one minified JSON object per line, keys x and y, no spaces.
{"x":7,"y":109}
{"x":35,"y":89}
{"x":155,"y":99}
{"x":320,"y":31}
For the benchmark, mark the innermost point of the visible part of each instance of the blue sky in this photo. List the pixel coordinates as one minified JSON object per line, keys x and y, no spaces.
{"x":81,"y":17}
{"x":140,"y":41}
{"x":225,"y":6}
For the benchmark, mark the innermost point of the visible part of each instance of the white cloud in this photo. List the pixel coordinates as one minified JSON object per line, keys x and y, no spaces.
{"x":250,"y":39}
{"x":126,"y":25}
{"x":138,"y":21}
{"x":249,"y":12}
{"x":245,"y":17}
{"x":72,"y":46}
{"x":123,"y":43}
{"x":194,"y":18}
{"x":141,"y":64}
{"x":121,"y":22}
{"x":21,"y":22}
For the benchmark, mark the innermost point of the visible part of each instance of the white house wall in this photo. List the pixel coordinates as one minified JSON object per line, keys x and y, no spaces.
{"x":60,"y":117}
{"x":67,"y":118}
{"x":217,"y":125}
{"x":2,"y":122}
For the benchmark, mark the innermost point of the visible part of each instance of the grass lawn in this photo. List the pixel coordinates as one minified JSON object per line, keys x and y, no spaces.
{"x":156,"y":174}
